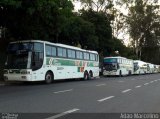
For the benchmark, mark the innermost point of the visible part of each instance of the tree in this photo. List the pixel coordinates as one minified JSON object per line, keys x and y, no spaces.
{"x":143,"y":25}
{"x":78,"y":31}
{"x":38,"y":19}
{"x":97,"y":5}
{"x":103,"y":29}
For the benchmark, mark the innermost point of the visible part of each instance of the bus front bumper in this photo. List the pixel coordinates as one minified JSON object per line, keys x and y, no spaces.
{"x":18,"y":77}
{"x":109,"y":73}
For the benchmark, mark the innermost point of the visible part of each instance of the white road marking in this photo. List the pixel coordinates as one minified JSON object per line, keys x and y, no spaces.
{"x":146,"y":84}
{"x":63,"y":91}
{"x":126,"y":90}
{"x":132,"y":79}
{"x":151,"y":81}
{"x":101,"y":100}
{"x":121,"y":81}
{"x":158,"y":79}
{"x":155,"y":80}
{"x":62,"y":114}
{"x":101,"y":85}
{"x":138,"y":86}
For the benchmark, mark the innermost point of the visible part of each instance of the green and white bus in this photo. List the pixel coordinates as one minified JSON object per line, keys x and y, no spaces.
{"x":119,"y":66}
{"x":139,"y":67}
{"x":36,"y":60}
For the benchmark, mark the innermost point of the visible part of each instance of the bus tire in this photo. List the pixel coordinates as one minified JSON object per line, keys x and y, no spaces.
{"x":49,"y":77}
{"x":90,"y":75}
{"x":86,"y":76}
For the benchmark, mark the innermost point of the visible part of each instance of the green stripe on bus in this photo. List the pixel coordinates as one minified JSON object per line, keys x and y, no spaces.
{"x":66,"y":62}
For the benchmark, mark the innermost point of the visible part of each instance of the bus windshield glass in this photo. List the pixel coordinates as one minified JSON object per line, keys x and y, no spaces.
{"x":110,"y":60}
{"x":25,"y":55}
{"x":19,"y":55}
{"x":18,"y":61}
{"x":110,"y":66}
{"x":136,"y":67}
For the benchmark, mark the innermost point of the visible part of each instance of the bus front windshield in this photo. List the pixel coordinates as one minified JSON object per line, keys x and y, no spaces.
{"x":110,"y":64}
{"x":18,"y":61}
{"x":136,"y":66}
{"x":24,"y":55}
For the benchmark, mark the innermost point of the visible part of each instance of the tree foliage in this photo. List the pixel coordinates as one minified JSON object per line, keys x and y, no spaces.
{"x":143,"y":24}
{"x":55,"y":21}
{"x":34,"y":19}
{"x":98,"y":5}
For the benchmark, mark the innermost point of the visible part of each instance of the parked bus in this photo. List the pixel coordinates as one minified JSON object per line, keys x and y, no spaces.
{"x":151,"y":68}
{"x":158,"y":68}
{"x":147,"y":66}
{"x":35,"y":60}
{"x":117,"y":66}
{"x":139,"y":67}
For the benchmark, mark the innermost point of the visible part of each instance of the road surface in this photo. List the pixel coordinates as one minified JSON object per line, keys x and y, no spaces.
{"x":105,"y":97}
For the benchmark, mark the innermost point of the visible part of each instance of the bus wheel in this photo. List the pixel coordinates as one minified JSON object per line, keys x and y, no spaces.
{"x":86,"y":76}
{"x":90,"y":75}
{"x":48,"y":78}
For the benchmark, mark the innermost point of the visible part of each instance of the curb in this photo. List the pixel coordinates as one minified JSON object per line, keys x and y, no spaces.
{"x":2,"y":83}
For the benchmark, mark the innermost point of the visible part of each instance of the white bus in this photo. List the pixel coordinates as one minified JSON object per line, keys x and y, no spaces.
{"x":151,"y":68}
{"x":147,"y":66}
{"x":117,"y":66}
{"x":156,"y":68}
{"x":139,"y":67}
{"x":35,"y":60}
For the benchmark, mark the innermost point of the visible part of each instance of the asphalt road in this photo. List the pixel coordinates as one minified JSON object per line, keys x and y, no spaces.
{"x":105,"y":97}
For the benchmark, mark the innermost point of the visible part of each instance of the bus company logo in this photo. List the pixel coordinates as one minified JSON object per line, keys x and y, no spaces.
{"x":50,"y":61}
{"x":56,"y":62}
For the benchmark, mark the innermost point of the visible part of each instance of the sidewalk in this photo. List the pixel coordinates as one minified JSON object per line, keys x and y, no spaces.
{"x":2,"y":82}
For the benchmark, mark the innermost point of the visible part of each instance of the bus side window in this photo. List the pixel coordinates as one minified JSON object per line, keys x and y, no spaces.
{"x":79,"y":55}
{"x":86,"y":56}
{"x":92,"y":57}
{"x":71,"y":54}
{"x":54,"y":52}
{"x":48,"y":50}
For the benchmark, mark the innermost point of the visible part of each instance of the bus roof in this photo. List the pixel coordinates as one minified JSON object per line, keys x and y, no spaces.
{"x":139,"y":61}
{"x":115,"y":57}
{"x":57,"y":44}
